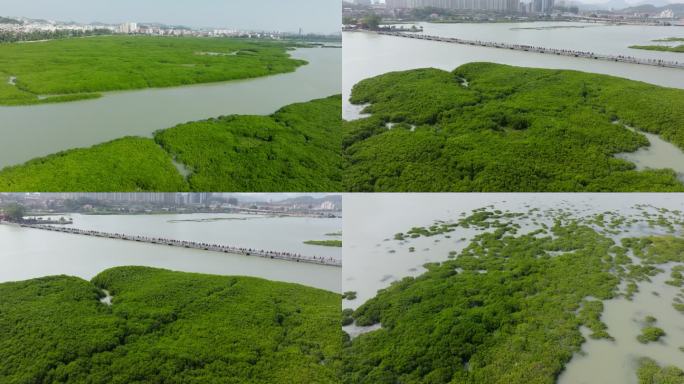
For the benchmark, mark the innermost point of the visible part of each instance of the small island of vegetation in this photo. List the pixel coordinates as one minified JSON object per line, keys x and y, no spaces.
{"x":295,"y":149}
{"x":664,"y":48}
{"x":325,"y":243}
{"x":492,"y":127}
{"x":650,"y":334}
{"x":57,"y":330}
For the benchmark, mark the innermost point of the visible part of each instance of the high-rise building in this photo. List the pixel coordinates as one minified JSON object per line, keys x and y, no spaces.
{"x":484,"y":5}
{"x":128,"y":28}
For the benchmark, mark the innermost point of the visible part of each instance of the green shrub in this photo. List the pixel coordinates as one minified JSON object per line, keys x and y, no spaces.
{"x":513,"y":129}
{"x":167,"y":327}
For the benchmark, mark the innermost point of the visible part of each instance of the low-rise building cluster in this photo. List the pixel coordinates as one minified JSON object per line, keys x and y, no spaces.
{"x":27,"y":26}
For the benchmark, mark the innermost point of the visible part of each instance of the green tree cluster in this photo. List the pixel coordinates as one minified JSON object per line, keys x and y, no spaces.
{"x":295,"y":149}
{"x":504,"y":311}
{"x":491,"y":127}
{"x":167,"y":327}
{"x":652,"y":373}
{"x":75,"y":69}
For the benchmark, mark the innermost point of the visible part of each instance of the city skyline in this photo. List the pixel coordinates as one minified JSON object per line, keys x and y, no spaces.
{"x":265,"y":15}
{"x":593,"y":2}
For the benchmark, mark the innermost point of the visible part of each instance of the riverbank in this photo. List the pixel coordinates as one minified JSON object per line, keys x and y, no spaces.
{"x":295,"y":149}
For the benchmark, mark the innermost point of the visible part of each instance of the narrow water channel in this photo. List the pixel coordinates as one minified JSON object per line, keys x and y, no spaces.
{"x":31,"y":131}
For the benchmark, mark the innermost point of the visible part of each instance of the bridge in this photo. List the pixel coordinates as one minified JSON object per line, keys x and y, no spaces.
{"x":549,"y":51}
{"x":288,"y":256}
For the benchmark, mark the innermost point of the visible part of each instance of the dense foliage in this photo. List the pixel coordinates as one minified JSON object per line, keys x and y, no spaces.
{"x":510,"y":315}
{"x":167,"y":327}
{"x":128,"y":164}
{"x":296,"y":149}
{"x":86,"y":66}
{"x":509,"y":307}
{"x":651,"y":373}
{"x":491,"y":127}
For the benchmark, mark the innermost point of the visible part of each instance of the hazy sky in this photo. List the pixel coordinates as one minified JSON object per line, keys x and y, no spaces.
{"x":605,"y":1}
{"x":284,"y":15}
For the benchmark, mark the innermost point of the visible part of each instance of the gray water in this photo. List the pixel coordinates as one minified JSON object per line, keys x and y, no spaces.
{"x":370,"y":219}
{"x":597,"y":38}
{"x":31,"y":131}
{"x":29,"y":253}
{"x":604,"y":361}
{"x":284,"y":234}
{"x":660,"y":154}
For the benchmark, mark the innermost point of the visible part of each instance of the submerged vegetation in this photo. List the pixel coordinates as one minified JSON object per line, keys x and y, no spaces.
{"x":325,"y":243}
{"x":295,"y":149}
{"x":88,"y":66}
{"x":56,"y":330}
{"x":650,"y":334}
{"x":510,"y":129}
{"x":510,"y":306}
{"x":651,"y":373}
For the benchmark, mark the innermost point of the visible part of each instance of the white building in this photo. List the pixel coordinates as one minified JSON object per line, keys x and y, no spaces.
{"x":128,"y":28}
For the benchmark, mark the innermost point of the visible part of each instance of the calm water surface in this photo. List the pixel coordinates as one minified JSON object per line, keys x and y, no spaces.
{"x":29,"y":253}
{"x":373,"y":260}
{"x":248,"y":231}
{"x":31,"y":131}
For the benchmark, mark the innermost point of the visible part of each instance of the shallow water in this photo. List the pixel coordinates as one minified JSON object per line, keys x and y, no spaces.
{"x":283,"y":234}
{"x":29,"y":253}
{"x":31,"y":131}
{"x":615,"y":362}
{"x":660,"y":154}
